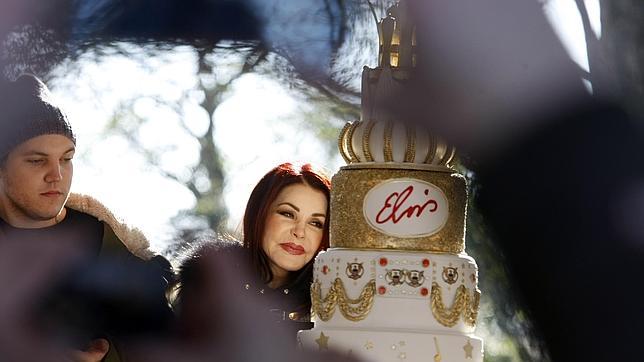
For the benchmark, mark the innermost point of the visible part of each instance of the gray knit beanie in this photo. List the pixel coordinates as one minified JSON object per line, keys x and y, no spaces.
{"x":27,"y":111}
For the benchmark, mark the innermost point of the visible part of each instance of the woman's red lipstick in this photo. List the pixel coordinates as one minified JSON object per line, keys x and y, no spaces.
{"x":292,"y":248}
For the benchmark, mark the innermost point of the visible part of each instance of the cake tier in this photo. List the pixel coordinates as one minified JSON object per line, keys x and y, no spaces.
{"x":382,"y":289}
{"x":392,"y":345}
{"x":398,"y":206}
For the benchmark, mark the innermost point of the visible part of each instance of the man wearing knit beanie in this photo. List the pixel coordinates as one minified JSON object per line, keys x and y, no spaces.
{"x":29,"y":111}
{"x":37,"y":146}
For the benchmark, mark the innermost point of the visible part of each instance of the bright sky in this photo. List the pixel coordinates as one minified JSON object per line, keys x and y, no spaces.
{"x":566,"y":21}
{"x":254,"y":129}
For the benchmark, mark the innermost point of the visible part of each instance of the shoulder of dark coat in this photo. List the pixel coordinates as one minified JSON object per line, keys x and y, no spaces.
{"x":215,"y":246}
{"x":197,"y":260}
{"x":117,"y":232}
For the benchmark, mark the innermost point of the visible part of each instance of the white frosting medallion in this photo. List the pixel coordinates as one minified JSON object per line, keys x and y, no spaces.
{"x":406,"y":208}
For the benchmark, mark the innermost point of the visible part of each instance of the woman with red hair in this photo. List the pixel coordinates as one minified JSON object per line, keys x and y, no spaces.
{"x":285,"y":223}
{"x":285,"y":226}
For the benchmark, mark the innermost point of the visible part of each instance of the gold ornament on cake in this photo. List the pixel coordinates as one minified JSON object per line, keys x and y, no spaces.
{"x":414,"y":278}
{"x":437,"y":356}
{"x":355,"y":270}
{"x":352,"y":309}
{"x":395,"y":276}
{"x":450,"y":274}
{"x":323,"y":342}
{"x":468,"y":349}
{"x":464,"y":305}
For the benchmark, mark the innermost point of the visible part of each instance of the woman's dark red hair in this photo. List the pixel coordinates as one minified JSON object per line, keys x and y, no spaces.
{"x":263,"y":195}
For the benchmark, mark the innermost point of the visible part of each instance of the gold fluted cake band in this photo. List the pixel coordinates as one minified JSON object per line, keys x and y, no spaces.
{"x":375,"y":141}
{"x":349,"y":140}
{"x":366,"y":136}
{"x":342,"y":140}
{"x":410,"y":152}
{"x":388,"y":146}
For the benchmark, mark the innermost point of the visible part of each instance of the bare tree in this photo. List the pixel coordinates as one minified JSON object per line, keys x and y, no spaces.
{"x":205,"y":179}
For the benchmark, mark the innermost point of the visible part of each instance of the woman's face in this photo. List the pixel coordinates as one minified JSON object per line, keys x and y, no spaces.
{"x":294,"y":228}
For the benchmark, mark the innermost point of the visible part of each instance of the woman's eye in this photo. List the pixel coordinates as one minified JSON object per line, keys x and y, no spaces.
{"x":317,"y":224}
{"x":36,"y":162}
{"x":286,"y":214}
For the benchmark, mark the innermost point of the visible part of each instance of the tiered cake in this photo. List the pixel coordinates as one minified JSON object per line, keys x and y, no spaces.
{"x":396,"y":283}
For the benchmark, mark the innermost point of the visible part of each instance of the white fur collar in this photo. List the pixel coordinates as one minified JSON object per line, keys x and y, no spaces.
{"x":131,"y":237}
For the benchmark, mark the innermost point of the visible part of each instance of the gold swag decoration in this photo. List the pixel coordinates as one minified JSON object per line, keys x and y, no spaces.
{"x":352,"y":309}
{"x":464,"y":304}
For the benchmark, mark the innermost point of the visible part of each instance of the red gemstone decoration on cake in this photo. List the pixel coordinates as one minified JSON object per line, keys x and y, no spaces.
{"x":325,"y":269}
{"x":424,"y":292}
{"x":382,"y":290}
{"x":425,"y":263}
{"x":383,"y":261}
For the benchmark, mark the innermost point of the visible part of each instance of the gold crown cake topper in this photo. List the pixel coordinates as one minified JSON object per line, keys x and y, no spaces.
{"x":377,"y":141}
{"x":380,"y":136}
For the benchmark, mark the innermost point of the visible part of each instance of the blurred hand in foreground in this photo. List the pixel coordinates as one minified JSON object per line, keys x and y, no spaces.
{"x":27,"y":270}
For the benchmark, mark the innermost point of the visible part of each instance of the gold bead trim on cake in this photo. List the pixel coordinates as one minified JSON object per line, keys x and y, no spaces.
{"x":410,"y":152}
{"x":366,"y":135}
{"x":342,"y":140}
{"x":352,"y":309}
{"x":464,"y":305}
{"x":388,"y":151}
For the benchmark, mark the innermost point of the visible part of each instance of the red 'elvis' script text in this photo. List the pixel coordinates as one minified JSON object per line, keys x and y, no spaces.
{"x":395,"y":209}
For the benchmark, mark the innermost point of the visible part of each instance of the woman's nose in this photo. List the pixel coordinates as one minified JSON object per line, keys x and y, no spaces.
{"x":298,"y":230}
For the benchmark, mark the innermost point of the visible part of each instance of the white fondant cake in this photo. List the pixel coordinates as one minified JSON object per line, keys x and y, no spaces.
{"x":396,"y":283}
{"x":385,"y":305}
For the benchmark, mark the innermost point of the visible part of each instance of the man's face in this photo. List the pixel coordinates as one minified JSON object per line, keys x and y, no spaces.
{"x":35,"y":181}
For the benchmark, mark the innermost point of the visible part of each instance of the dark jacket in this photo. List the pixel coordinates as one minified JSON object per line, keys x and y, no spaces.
{"x":289,"y":305}
{"x":131,"y":302}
